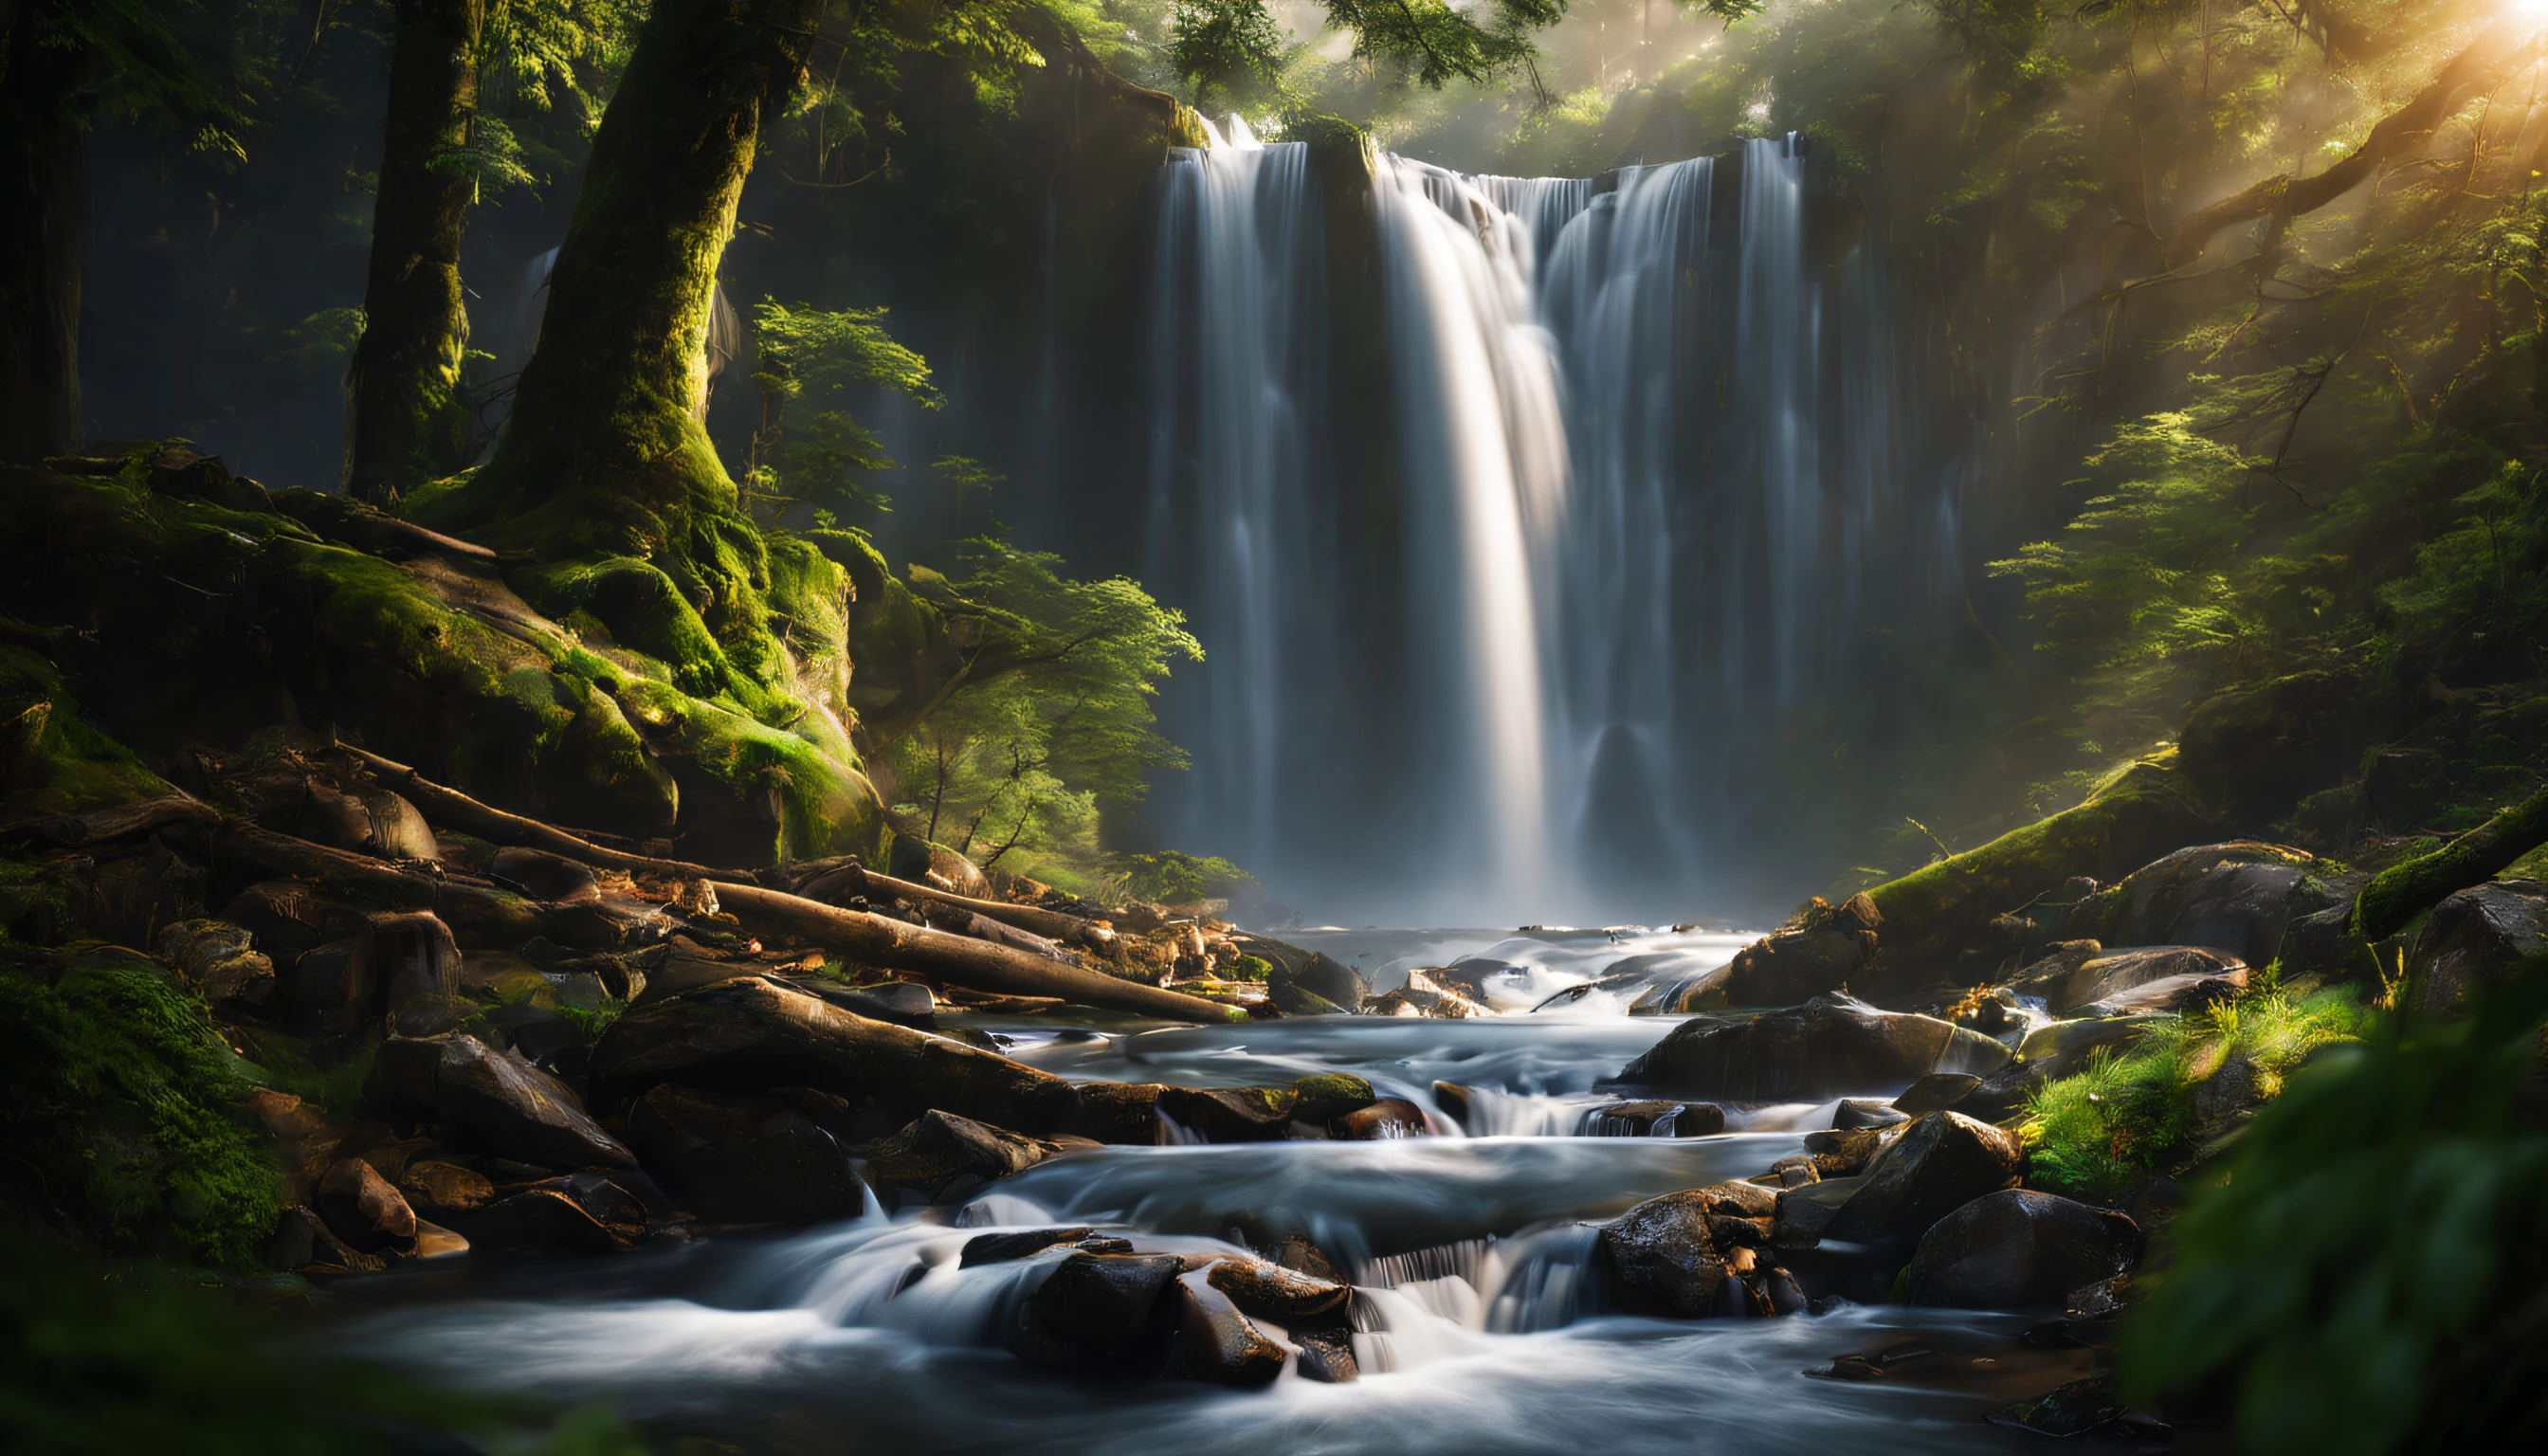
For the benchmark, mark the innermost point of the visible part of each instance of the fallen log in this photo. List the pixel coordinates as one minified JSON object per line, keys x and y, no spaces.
{"x":978,"y":965}
{"x":2398,"y":894}
{"x":852,"y":881}
{"x":482,"y":916}
{"x":460,"y":811}
{"x":123,"y":821}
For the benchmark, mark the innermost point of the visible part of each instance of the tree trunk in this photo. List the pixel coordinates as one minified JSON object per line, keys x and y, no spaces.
{"x":43,"y":228}
{"x":406,"y":422}
{"x":603,"y":457}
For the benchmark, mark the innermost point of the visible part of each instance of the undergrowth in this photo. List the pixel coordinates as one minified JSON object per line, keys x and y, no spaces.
{"x":2129,"y":1116}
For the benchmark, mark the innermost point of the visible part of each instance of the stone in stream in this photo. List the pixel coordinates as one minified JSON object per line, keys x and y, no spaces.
{"x":1125,"y":1114}
{"x":743,"y":1159}
{"x":1093,"y":1314}
{"x":1939,"y":1163}
{"x":1865,"y":1112}
{"x":1332,"y":1105}
{"x":1662,"y":1257}
{"x":1306,"y":982}
{"x":441,"y":1185}
{"x":1217,"y":1343}
{"x":2017,"y":1247}
{"x":751,"y":1034}
{"x":547,"y":1218}
{"x":1389,"y":1118}
{"x":1936,"y":1092}
{"x":941,"y":1156}
{"x":1815,"y":953}
{"x":493,"y":1101}
{"x":1263,"y":1287}
{"x":1830,"y":1045}
{"x":1643,"y":1118}
{"x":1003,"y":1248}
{"x":2475,"y":938}
{"x":363,"y":1210}
{"x":1843,"y":1152}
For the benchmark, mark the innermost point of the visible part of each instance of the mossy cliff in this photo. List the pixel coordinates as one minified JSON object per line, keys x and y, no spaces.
{"x":225,"y":608}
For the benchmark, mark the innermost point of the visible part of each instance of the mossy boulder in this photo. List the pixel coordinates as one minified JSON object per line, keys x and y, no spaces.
{"x":2238,"y":899}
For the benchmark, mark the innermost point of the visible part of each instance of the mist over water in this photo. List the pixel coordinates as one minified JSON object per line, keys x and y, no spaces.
{"x":1519,"y":641}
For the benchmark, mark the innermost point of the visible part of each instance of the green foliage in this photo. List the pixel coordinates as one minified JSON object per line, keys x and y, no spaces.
{"x":159,"y":59}
{"x":1174,"y":878}
{"x":2367,"y":1221}
{"x":1229,"y":45}
{"x":119,"y":1089}
{"x":1435,"y":42}
{"x":818,"y":361}
{"x":2128,"y":1118}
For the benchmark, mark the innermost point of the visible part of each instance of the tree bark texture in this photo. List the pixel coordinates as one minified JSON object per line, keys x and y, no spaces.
{"x":44,"y":226}
{"x":407,"y":421}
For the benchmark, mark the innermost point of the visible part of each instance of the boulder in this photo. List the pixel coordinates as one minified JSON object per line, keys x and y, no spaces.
{"x":1389,"y":1117}
{"x":1330,"y":1094}
{"x":1831,"y":1045}
{"x":1662,"y":1259}
{"x":1093,"y":1314}
{"x":2065,"y":986}
{"x":1799,"y":1214}
{"x":1865,"y":1112}
{"x":439,"y":1186}
{"x":750,"y":1034}
{"x":2476,"y":936}
{"x":920,"y":862}
{"x":941,"y":1156}
{"x":1939,"y":1163}
{"x":1334,"y":1105}
{"x":1654,"y":1118}
{"x":493,"y":1101}
{"x":2173,"y":995}
{"x":540,"y":1220}
{"x":2061,"y":1048}
{"x":1125,"y":1114}
{"x":1936,"y":1092}
{"x":1843,"y":1153}
{"x":363,"y":1210}
{"x":1816,"y":951}
{"x":1003,"y":1248}
{"x":1305,"y":982}
{"x":1230,"y":1114}
{"x":1276,"y":1292}
{"x":2017,"y":1247}
{"x":219,"y":960}
{"x":743,"y":1159}
{"x":1216,"y":1343}
{"x":2236,"y":898}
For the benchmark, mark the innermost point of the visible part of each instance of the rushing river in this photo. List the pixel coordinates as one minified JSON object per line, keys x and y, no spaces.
{"x":1480,"y":1323}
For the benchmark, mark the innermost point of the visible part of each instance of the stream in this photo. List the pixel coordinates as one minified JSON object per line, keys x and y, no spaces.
{"x":1478,"y":1317}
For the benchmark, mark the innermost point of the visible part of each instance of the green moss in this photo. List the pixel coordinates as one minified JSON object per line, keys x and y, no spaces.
{"x":1332,"y":1095}
{"x":119,"y":1090}
{"x":2128,"y":1118}
{"x":52,"y":760}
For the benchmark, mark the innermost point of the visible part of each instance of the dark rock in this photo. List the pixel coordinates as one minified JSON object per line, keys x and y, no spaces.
{"x":1267,"y":1288}
{"x":492,"y":1100}
{"x":362,"y":1209}
{"x":2174,"y":995}
{"x":1841,"y":1152}
{"x":1938,"y":1164}
{"x":545,"y":877}
{"x":1230,"y":1114}
{"x":1330,"y":1095}
{"x":1305,"y":982}
{"x":1391,"y":1117}
{"x":750,"y":1035}
{"x":2154,"y":1202}
{"x":1295,"y":1251}
{"x":302,"y":1242}
{"x":2477,"y":937}
{"x":1815,"y":953}
{"x":2064,"y":1047}
{"x":1216,"y":1343}
{"x":372,"y":822}
{"x":1002,"y":1248}
{"x":1327,"y":1356}
{"x":2004,"y":1093}
{"x":1454,"y":1100}
{"x":440,"y":1187}
{"x":1094,"y":1314}
{"x":1825,"y":1047}
{"x":2234,"y":1089}
{"x":541,"y":1220}
{"x":941,"y":1156}
{"x":743,"y":1159}
{"x":219,"y":960}
{"x":1802,"y":1213}
{"x":1662,"y":1259}
{"x":2067,"y":987}
{"x":2073,"y":1410}
{"x":1860,"y":1112}
{"x":2236,"y":899}
{"x":1643,"y":1118}
{"x":1936,"y":1092}
{"x":2017,"y":1247}
{"x":1125,"y":1114}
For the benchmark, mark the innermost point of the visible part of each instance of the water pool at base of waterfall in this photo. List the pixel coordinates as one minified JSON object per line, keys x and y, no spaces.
{"x":1479,"y":1314}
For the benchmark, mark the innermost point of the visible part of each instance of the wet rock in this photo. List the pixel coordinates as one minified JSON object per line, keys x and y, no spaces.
{"x":1676,"y":995}
{"x":2175,"y":995}
{"x":1327,"y":1356}
{"x":1939,"y":1163}
{"x":381,"y":963}
{"x":743,"y":1159}
{"x":1264,"y":1287}
{"x":1795,"y":1173}
{"x":491,"y":1100}
{"x":1841,"y":1152}
{"x":1816,"y":951}
{"x":1455,"y":1101}
{"x":1802,"y":1213}
{"x":1825,"y":1047}
{"x":1093,"y":1314}
{"x":362,"y":1209}
{"x":1662,"y":1259}
{"x":302,"y":1242}
{"x":1305,"y":982}
{"x":1391,"y":1117}
{"x":219,"y":960}
{"x":1737,"y":1198}
{"x":1330,"y":1095}
{"x":1218,"y":1344}
{"x":2004,"y":1093}
{"x":1864,"y":1112}
{"x":1654,"y":1118}
{"x":541,"y":876}
{"x":1936,"y":1092}
{"x":941,"y":1156}
{"x":1230,"y":1114}
{"x":1125,"y":1114}
{"x":2073,"y":1410}
{"x":2238,"y":899}
{"x":540,"y":1220}
{"x":750,"y":1034}
{"x":2017,"y":1247}
{"x":439,"y":1186}
{"x":2067,"y":987}
{"x":2064,"y":1047}
{"x":2477,"y":937}
{"x":1003,"y":1248}
{"x":1422,"y":995}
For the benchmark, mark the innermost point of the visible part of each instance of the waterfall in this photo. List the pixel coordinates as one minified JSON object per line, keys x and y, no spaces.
{"x":1526,"y":618}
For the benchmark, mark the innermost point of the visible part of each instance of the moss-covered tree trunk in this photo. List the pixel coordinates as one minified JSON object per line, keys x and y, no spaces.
{"x":44,"y":224}
{"x":406,"y":422}
{"x":603,"y":456}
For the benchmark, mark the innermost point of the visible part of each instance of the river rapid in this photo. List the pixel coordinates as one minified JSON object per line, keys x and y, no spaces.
{"x":1480,"y":1320}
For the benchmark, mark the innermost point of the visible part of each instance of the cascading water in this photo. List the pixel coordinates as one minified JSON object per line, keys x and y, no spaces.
{"x":1638,"y":516}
